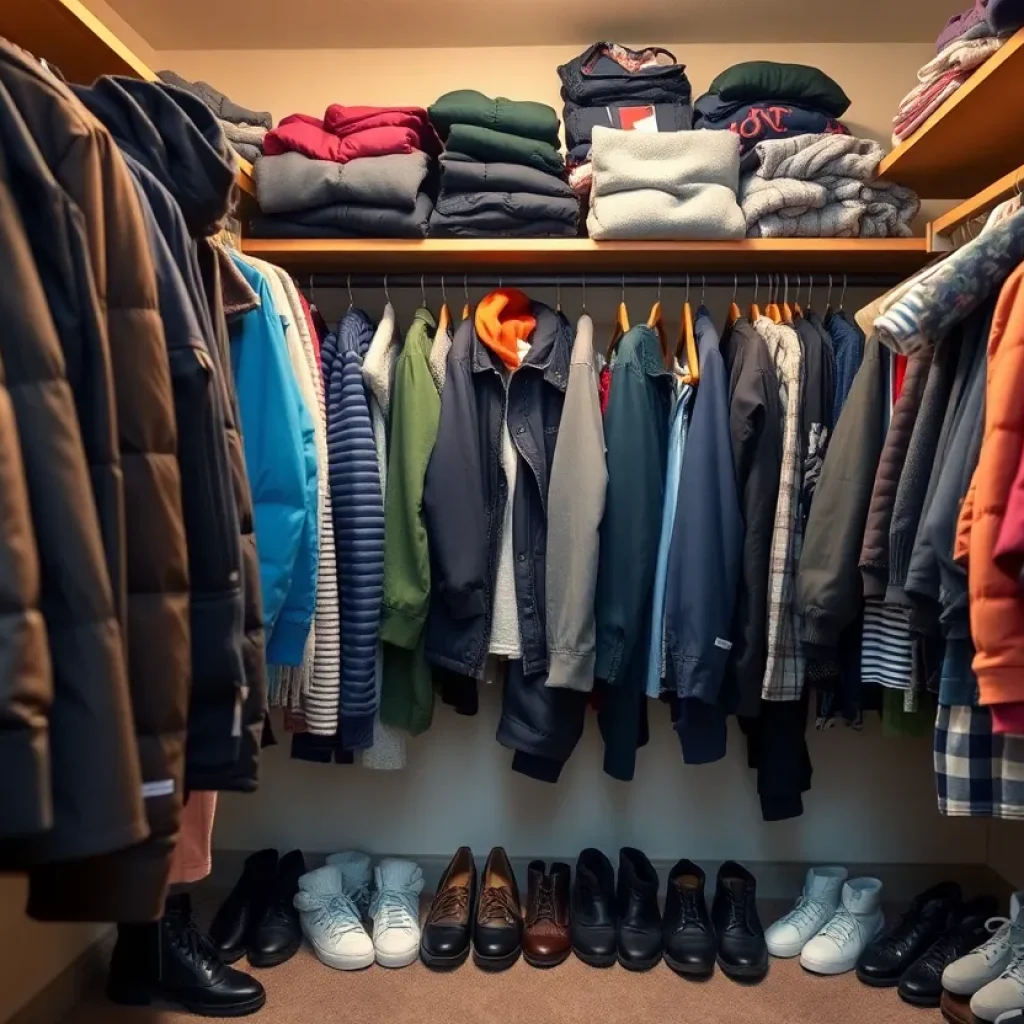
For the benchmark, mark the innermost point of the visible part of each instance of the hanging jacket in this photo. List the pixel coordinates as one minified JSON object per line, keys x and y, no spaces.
{"x":358,"y":523}
{"x":848,"y":347}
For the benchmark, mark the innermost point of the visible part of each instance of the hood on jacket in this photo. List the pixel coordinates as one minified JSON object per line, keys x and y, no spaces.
{"x":503,"y":320}
{"x":174,"y":135}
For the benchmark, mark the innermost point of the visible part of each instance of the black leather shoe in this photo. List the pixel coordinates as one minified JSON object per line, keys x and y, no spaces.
{"x":921,"y":984}
{"x":171,"y":961}
{"x":689,"y":935}
{"x":592,"y":909}
{"x":278,"y":934}
{"x":883,"y":962}
{"x":640,"y":929}
{"x":233,"y":924}
{"x":742,"y":951}
{"x":445,"y":940}
{"x":498,"y":921}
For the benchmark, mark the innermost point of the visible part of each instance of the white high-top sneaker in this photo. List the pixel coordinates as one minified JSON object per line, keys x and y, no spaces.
{"x":974,"y":971}
{"x":811,"y":912}
{"x":329,"y":913}
{"x":857,"y":920}
{"x":395,"y":910}
{"x":1006,"y":993}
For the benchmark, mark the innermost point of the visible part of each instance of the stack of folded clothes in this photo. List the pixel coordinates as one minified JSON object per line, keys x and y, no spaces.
{"x":245,"y":129}
{"x":822,"y":186}
{"x":359,"y":172}
{"x":501,"y":172}
{"x":615,"y":87}
{"x":761,"y":100}
{"x":676,"y":185}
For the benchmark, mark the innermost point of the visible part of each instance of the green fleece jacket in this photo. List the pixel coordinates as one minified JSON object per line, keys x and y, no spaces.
{"x":516,"y":117}
{"x":489,"y":146}
{"x":407,"y":696}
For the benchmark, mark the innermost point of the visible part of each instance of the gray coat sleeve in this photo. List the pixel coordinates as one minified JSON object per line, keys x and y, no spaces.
{"x":576,"y":496}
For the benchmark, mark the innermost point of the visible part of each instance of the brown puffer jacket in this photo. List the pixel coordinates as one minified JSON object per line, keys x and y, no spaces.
{"x":87,"y":165}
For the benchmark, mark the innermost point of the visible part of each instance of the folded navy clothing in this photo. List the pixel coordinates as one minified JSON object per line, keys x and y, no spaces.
{"x":578,"y":155}
{"x":347,"y":220}
{"x":756,"y":122}
{"x":580,"y":121}
{"x":504,"y":207}
{"x":612,"y":73}
{"x":461,"y":173}
{"x":495,"y":225}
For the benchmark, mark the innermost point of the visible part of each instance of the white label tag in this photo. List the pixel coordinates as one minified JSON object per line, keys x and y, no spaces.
{"x":165,"y":787}
{"x":725,"y":645}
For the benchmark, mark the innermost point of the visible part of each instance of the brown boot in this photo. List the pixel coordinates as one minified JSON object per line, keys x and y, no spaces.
{"x":957,"y":1009}
{"x":547,"y":940}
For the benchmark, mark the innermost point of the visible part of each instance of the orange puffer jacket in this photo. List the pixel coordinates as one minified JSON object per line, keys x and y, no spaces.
{"x":996,"y":599}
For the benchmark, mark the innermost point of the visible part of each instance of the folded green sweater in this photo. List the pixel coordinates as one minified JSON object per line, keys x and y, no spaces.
{"x":517,"y":117}
{"x":486,"y":145}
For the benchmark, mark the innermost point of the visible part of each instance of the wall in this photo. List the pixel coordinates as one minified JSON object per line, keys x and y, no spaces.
{"x":1006,"y":851}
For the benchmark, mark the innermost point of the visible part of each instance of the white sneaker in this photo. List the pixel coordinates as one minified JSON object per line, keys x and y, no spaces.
{"x":811,"y":912}
{"x":974,"y":971}
{"x":1006,"y":993}
{"x":396,"y":912}
{"x":329,"y":911}
{"x":858,"y":919}
{"x":1013,"y":1017}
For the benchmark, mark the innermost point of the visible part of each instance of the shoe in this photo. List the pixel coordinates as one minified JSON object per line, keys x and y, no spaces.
{"x":395,"y":910}
{"x":823,"y":888}
{"x":592,"y":909}
{"x":446,"y":933}
{"x":742,"y":953}
{"x":172,"y":961}
{"x":329,"y":902}
{"x":277,"y":936}
{"x":498,"y":921}
{"x":956,"y":1009}
{"x":985,"y":963}
{"x":857,"y":920}
{"x":236,"y":917}
{"x":921,"y":984}
{"x":547,"y":938}
{"x":688,"y":933}
{"x":1011,"y":1017}
{"x":641,"y":933}
{"x":1006,"y":993}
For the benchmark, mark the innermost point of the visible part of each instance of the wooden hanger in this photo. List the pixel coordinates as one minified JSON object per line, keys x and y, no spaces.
{"x":444,"y":316}
{"x":656,"y":322}
{"x":465,"y":287}
{"x":797,"y":311}
{"x":621,"y":323}
{"x":772,"y":310}
{"x":686,"y":347}
{"x":787,"y":309}
{"x":755,"y":309}
{"x":734,"y":310}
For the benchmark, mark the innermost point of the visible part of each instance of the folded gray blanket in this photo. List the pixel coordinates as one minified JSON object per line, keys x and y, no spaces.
{"x":292,"y":182}
{"x":672,"y":162}
{"x":706,"y":212}
{"x":809,"y":157}
{"x":463,"y":174}
{"x":347,"y":220}
{"x":224,"y":108}
{"x":505,"y":207}
{"x":248,"y":134}
{"x":247,"y":152}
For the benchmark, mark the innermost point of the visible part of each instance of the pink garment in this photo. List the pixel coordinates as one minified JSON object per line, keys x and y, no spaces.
{"x":313,"y":332}
{"x":346,"y":121}
{"x":301,"y":133}
{"x":908,"y":123}
{"x":193,"y":855}
{"x":923,"y":94}
{"x":1007,"y":718}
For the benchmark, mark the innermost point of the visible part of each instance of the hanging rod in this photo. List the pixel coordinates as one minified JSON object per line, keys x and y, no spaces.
{"x":695,"y":281}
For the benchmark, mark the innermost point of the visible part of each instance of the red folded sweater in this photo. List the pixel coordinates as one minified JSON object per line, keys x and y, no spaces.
{"x":347,"y":121}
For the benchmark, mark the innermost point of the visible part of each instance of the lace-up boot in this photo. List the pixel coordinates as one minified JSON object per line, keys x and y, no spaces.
{"x":689,"y":934}
{"x":858,"y":919}
{"x":395,"y":910}
{"x":498,"y":921}
{"x":593,"y":910}
{"x":974,"y":971}
{"x":547,"y":940}
{"x":446,"y":933}
{"x":171,"y":961}
{"x":742,"y":953}
{"x":330,"y":902}
{"x":640,"y":928}
{"x":277,"y":935}
{"x":811,"y":912}
{"x":1006,"y":994}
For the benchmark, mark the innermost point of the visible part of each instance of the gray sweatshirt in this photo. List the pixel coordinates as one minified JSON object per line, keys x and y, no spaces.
{"x":576,"y":495}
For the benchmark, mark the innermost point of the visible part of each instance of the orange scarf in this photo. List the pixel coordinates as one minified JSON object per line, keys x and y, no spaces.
{"x":503,"y":319}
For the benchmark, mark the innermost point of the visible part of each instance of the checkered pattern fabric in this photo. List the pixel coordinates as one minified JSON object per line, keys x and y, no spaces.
{"x":784,"y":668}
{"x":978,"y":773}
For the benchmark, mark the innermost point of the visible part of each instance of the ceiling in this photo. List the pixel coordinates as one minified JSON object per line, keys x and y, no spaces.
{"x":330,"y":24}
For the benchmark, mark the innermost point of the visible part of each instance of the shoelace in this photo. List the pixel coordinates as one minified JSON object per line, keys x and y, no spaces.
{"x":497,"y":903}
{"x":806,"y":911}
{"x":194,"y":943}
{"x":842,"y":928}
{"x":335,"y":912}
{"x":545,"y":910}
{"x":738,"y":907}
{"x":1000,"y":929}
{"x":1015,"y":968}
{"x":450,"y":903}
{"x":395,"y":908}
{"x":692,"y":901}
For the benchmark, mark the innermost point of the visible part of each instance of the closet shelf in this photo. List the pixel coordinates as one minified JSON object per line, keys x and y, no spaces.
{"x":974,"y":137}
{"x":940,"y":230}
{"x":71,"y":37}
{"x":581,"y":255}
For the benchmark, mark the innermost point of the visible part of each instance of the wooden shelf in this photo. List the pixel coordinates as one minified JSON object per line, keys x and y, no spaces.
{"x":979,"y":204}
{"x":975,"y":136}
{"x":813,"y":255}
{"x":68,"y":35}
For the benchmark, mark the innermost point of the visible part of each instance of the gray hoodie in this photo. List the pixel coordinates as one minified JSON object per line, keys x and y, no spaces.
{"x":576,"y":495}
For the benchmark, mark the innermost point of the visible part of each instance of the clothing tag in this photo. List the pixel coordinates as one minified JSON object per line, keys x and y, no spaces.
{"x":725,"y":645}
{"x":236,"y":725}
{"x":637,"y":119}
{"x":150,"y":790}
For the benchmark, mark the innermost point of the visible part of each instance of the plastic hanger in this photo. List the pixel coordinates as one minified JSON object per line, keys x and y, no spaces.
{"x":687,"y":344}
{"x":755,"y":309}
{"x":444,"y":315}
{"x":657,"y":323}
{"x":621,"y":322}
{"x":734,"y":310}
{"x":828,"y":299}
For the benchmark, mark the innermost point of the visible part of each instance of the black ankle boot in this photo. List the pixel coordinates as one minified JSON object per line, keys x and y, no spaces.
{"x":594,"y":932}
{"x":689,"y":934}
{"x":640,"y":933}
{"x":236,"y":919}
{"x":172,"y":961}
{"x":742,"y":950}
{"x":278,"y":934}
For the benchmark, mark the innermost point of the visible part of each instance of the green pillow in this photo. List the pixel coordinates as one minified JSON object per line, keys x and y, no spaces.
{"x":758,"y":80}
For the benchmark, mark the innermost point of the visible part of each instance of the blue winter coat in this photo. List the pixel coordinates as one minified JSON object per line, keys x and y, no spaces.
{"x":277,"y":434}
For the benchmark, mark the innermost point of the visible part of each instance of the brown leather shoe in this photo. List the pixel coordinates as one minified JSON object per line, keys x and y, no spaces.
{"x":957,"y":1009}
{"x":498,"y":922}
{"x":547,"y":940}
{"x":446,"y":934}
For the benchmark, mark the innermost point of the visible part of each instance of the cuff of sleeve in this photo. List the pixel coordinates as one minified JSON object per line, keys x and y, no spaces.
{"x":400,"y":628}
{"x":543,"y":769}
{"x":818,"y":630}
{"x":781,"y":808}
{"x":356,"y":731}
{"x":569,"y":671}
{"x":288,"y":642}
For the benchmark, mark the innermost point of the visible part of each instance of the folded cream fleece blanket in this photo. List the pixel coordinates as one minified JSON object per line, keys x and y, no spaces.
{"x":703,"y":212}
